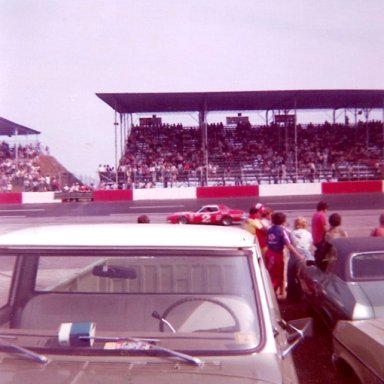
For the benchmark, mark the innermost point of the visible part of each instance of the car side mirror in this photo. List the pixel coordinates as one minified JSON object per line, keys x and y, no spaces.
{"x":297,"y":330}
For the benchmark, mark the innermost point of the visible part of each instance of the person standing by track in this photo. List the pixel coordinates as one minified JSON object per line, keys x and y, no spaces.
{"x":319,"y":223}
{"x":277,"y":240}
{"x":256,"y":225}
{"x":379,"y":231}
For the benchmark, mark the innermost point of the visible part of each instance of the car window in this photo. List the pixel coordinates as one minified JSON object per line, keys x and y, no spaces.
{"x":368,"y":266}
{"x":7,"y":265}
{"x":145,"y":274}
{"x":198,"y":293}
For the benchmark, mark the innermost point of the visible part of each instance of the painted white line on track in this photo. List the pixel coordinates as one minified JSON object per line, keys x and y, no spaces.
{"x":294,"y":202}
{"x":134,"y":214}
{"x":157,"y":206}
{"x":12,"y":217}
{"x":23,"y":210}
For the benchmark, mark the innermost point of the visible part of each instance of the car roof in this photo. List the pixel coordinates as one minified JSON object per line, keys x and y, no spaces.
{"x":210,"y":205}
{"x":359,"y":244}
{"x":128,"y":235}
{"x":350,"y":245}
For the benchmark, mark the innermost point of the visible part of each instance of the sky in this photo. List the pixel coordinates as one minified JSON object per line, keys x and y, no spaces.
{"x":57,"y":54}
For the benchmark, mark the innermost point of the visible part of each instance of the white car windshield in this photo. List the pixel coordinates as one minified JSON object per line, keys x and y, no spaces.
{"x":135,"y":293}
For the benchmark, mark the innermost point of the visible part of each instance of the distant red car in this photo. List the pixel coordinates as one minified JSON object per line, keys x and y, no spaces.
{"x":218,"y":214}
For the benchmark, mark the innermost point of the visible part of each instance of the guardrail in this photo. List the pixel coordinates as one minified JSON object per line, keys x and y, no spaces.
{"x":251,"y":191}
{"x":73,"y":196}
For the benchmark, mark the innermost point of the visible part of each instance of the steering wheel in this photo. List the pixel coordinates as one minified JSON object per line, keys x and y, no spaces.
{"x":189,"y":299}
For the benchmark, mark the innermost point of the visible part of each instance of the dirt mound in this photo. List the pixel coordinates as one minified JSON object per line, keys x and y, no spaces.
{"x":50,"y":166}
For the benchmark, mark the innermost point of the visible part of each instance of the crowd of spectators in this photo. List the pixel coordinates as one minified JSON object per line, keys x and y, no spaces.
{"x":20,"y":169}
{"x":172,"y":155}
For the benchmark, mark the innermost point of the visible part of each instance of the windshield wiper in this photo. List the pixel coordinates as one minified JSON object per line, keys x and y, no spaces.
{"x":149,"y":345}
{"x":11,"y":347}
{"x":183,"y":356}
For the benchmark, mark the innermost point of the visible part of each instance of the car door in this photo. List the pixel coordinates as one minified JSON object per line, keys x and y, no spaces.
{"x":202,"y":216}
{"x":286,"y":363}
{"x":335,"y":300}
{"x":215,"y":215}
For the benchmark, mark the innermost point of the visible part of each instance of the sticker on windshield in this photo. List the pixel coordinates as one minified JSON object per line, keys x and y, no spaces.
{"x":126,"y":345}
{"x":245,"y":338}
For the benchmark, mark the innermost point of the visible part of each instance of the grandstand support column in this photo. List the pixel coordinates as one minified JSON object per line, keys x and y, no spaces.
{"x":204,"y":127}
{"x":295,"y":133}
{"x":366,"y":115}
{"x":16,"y":150}
{"x":116,"y":124}
{"x":121,"y":135}
{"x":383,"y":131}
{"x":286,"y":112}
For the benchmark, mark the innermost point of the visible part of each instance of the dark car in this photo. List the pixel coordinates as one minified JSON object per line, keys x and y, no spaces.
{"x":218,"y":214}
{"x":350,"y":285}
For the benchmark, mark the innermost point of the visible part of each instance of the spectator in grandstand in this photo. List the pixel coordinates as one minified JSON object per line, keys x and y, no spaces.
{"x":312,"y":171}
{"x":379,"y":231}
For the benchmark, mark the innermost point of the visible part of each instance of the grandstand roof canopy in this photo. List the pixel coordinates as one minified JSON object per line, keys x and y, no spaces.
{"x":9,"y":128}
{"x":243,"y":101}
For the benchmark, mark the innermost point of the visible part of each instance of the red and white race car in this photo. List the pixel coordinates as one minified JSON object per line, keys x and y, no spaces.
{"x":208,"y":214}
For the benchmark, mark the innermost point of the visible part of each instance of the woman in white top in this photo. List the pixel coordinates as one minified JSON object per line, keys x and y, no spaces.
{"x":303,"y":238}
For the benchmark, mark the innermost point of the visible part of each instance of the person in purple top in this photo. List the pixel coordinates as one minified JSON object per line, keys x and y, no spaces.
{"x":277,"y":240}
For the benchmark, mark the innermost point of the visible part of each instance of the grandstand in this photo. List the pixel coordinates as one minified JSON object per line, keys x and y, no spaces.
{"x":239,"y":153}
{"x":28,"y":168}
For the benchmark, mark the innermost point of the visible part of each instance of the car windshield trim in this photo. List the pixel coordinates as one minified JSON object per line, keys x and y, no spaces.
{"x":198,"y":292}
{"x":38,"y":346}
{"x":120,"y":251}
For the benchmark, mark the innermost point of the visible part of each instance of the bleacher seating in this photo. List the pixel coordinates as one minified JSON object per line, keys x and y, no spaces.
{"x":169,"y":155}
{"x":31,"y":169}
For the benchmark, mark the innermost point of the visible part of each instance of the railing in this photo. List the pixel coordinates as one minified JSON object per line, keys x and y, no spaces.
{"x":245,"y":175}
